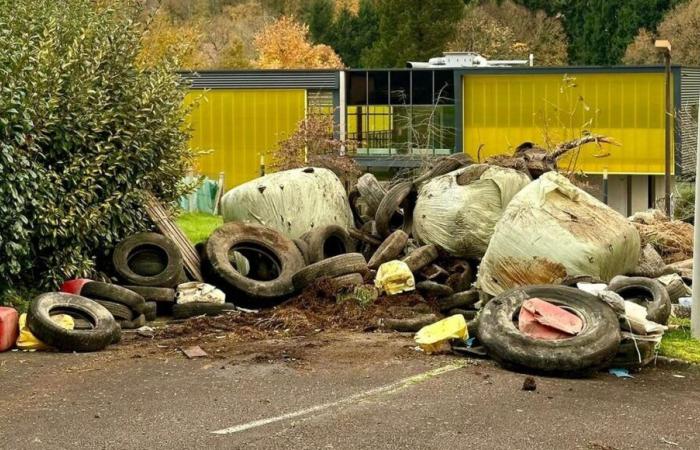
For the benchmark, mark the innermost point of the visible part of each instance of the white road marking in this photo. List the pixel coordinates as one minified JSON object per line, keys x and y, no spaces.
{"x":389,"y":388}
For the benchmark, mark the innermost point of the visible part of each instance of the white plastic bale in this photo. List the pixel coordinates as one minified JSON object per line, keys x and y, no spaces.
{"x":459,"y":217}
{"x":550,"y":230}
{"x":291,"y":202}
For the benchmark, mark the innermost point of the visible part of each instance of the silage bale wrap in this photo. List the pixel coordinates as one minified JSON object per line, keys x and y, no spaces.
{"x":550,"y":230}
{"x":291,"y":202}
{"x":458,"y":211}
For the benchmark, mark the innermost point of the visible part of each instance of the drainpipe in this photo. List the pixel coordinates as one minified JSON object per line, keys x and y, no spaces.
{"x":695,"y":309}
{"x":343,"y":113}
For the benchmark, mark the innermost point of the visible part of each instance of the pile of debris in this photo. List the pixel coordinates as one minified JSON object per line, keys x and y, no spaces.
{"x":514,"y":263}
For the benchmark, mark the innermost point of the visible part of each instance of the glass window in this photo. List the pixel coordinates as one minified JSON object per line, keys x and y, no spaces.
{"x":422,"y":87}
{"x":400,"y":87}
{"x":444,"y":87}
{"x":357,"y":88}
{"x":378,"y":87}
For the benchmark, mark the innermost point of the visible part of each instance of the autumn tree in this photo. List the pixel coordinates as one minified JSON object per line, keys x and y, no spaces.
{"x":284,"y":44}
{"x":506,"y":30}
{"x":681,"y":26}
{"x":163,"y":39}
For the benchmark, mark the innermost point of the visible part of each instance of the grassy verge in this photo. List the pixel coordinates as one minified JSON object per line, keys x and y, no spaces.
{"x":678,"y":343}
{"x":198,"y":226}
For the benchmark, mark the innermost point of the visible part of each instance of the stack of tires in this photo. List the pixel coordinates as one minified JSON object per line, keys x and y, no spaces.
{"x":149,"y":266}
{"x":258,"y":266}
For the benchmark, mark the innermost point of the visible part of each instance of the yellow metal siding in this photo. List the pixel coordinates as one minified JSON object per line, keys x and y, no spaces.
{"x":502,"y":111}
{"x":237,"y":126}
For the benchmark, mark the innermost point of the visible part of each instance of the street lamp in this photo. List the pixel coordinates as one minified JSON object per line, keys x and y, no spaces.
{"x":664,"y":47}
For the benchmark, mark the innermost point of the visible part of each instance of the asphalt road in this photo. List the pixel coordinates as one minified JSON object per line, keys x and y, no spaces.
{"x":329,"y":391}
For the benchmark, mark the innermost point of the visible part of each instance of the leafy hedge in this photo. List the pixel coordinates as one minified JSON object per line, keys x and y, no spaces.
{"x":83,"y":131}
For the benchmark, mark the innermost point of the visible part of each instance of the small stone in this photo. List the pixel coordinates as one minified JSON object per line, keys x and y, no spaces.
{"x":529,"y":384}
{"x":97,"y":416}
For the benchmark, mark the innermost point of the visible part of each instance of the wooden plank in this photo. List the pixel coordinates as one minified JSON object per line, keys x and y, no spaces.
{"x":167,"y":227}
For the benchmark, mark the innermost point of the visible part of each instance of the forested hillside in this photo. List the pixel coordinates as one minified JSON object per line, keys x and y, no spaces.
{"x":211,"y":34}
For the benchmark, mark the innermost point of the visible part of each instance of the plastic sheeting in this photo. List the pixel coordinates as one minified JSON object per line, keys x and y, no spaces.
{"x":552,"y":229}
{"x":291,"y":202}
{"x":203,"y":199}
{"x":458,"y":211}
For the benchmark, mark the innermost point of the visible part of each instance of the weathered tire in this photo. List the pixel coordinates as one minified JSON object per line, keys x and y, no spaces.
{"x":118,"y":311}
{"x":273,"y":259}
{"x":150,"y":311}
{"x":154,"y":294}
{"x":97,"y":290}
{"x":396,"y":209}
{"x":463,"y":300}
{"x":411,"y":324}
{"x":658,"y":309}
{"x":303,"y":248}
{"x":591,"y":349}
{"x":328,"y":241}
{"x":40,"y":323}
{"x":421,"y":257}
{"x":187,"y":310}
{"x":433,"y":289}
{"x":137,"y":322}
{"x":628,"y":358}
{"x":445,"y":165}
{"x":331,"y":267}
{"x":144,"y":248}
{"x":351,"y":279}
{"x":371,"y":192}
{"x":390,"y":249}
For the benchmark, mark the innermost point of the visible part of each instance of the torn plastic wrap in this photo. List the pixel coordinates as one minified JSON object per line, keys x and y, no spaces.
{"x":458,"y":211}
{"x":291,"y":202}
{"x":550,"y":230}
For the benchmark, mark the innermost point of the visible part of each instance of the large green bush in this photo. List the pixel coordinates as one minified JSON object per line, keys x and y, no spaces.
{"x":83,"y":131}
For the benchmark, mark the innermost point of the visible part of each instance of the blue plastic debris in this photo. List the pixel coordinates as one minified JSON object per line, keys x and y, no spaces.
{"x":620,"y":373}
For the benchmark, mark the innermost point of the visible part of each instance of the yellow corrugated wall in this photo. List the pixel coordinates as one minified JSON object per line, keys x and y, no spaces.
{"x":240,"y":125}
{"x":502,"y":111}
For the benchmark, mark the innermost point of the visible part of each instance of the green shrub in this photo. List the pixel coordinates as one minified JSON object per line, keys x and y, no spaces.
{"x":684,"y":204}
{"x":83,"y":132}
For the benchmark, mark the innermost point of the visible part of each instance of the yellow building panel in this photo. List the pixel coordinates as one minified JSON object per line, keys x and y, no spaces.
{"x":238,"y":126}
{"x":502,"y":111}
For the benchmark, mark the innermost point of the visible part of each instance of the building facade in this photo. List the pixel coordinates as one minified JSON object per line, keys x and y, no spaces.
{"x":400,"y":117}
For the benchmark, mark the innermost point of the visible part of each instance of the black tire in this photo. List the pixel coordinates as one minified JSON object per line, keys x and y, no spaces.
{"x":421,"y":257}
{"x":138,"y":322}
{"x":303,"y":248}
{"x":463,"y":300}
{"x":390,"y":249}
{"x":396,"y":209}
{"x":154,"y":294}
{"x":187,"y":310}
{"x":351,"y":279}
{"x":371,"y":191}
{"x":82,"y":322}
{"x":148,"y":259}
{"x":273,"y":258}
{"x":326,"y":242}
{"x":150,"y":311}
{"x":445,"y":165}
{"x":40,"y":323}
{"x":111,"y":292}
{"x":658,"y":309}
{"x":433,"y":290}
{"x":118,"y":311}
{"x":591,"y":349}
{"x":331,"y":267}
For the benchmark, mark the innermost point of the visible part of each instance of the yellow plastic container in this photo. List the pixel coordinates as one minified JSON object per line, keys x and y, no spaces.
{"x":432,"y":338}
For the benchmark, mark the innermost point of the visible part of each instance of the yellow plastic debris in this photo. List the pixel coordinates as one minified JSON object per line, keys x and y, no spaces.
{"x":27,"y":340}
{"x":394,"y":277}
{"x":434,"y":337}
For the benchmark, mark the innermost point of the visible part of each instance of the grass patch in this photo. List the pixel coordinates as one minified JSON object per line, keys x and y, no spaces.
{"x":198,"y":226}
{"x":679,"y":344}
